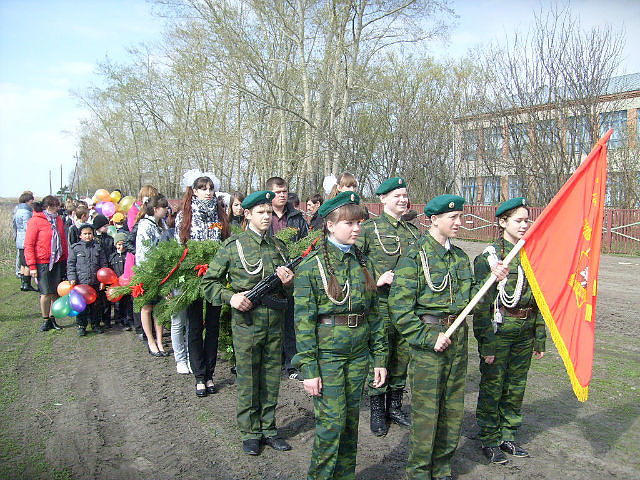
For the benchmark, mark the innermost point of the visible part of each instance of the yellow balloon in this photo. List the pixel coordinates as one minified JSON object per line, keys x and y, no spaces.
{"x":115,"y":197}
{"x":103,"y":195}
{"x":125,"y":204}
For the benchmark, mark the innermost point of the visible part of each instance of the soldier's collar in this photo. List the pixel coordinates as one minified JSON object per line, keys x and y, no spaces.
{"x":255,"y":234}
{"x":390,"y":219}
{"x":337,"y":250}
{"x":437,"y":247}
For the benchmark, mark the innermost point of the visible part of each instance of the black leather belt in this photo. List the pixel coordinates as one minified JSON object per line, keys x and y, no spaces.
{"x":351,"y":320}
{"x":433,"y":320}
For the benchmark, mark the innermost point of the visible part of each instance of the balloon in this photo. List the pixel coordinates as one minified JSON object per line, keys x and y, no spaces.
{"x":124,"y":280}
{"x":103,"y":195}
{"x":87,"y":292}
{"x":108,"y":209}
{"x":107,"y":276}
{"x":64,"y":288}
{"x":115,"y":196}
{"x":61,"y":307}
{"x":73,"y":313}
{"x":77,"y":301}
{"x":125,"y":204}
{"x":111,"y":230}
{"x":112,"y":296}
{"x":98,"y":206}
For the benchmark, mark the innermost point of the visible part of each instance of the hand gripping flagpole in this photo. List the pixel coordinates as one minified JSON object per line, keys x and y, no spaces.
{"x":487,"y":285}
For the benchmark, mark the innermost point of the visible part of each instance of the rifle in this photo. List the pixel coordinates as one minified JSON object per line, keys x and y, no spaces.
{"x":259,"y":294}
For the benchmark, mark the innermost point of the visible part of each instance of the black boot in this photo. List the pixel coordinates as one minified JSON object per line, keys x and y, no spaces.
{"x":54,"y":325}
{"x":378,"y":422}
{"x":394,"y":409}
{"x":46,"y":325}
{"x":26,"y":284}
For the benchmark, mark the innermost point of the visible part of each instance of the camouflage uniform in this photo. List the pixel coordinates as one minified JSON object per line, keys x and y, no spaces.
{"x":339,"y":354}
{"x":258,"y":346}
{"x":437,"y":379}
{"x":502,"y":383}
{"x":394,"y":236}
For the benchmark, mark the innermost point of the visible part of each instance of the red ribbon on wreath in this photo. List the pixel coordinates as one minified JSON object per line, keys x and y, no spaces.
{"x":137,"y":290}
{"x":184,"y":254}
{"x":201,"y":269}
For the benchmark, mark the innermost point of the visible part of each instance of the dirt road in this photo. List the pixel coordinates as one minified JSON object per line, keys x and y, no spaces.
{"x":101,"y":407}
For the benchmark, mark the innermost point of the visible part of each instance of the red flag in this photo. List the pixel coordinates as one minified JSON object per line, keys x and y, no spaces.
{"x":561,"y":256}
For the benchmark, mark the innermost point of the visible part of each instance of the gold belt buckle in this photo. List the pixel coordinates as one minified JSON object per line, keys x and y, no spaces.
{"x":355,"y":320}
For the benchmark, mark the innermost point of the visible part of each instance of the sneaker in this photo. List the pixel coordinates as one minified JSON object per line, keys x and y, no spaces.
{"x":495,"y":455}
{"x":296,"y":375}
{"x":97,"y":329}
{"x":513,"y":449}
{"x":182,"y":368}
{"x":82,"y":332}
{"x":127,"y":328}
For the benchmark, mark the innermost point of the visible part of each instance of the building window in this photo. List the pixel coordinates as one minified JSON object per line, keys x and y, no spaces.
{"x":546,"y":131}
{"x":518,"y":139}
{"x":617,"y":121}
{"x":515,"y":187}
{"x":470,"y":145}
{"x":469,"y":189}
{"x":491,"y":190}
{"x":492,"y":142}
{"x":578,"y":138}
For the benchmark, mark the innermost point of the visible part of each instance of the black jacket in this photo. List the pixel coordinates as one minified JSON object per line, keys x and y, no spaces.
{"x":316,"y":222}
{"x":295,"y":219}
{"x":106,"y":242}
{"x":85,"y":259}
{"x":116,"y":262}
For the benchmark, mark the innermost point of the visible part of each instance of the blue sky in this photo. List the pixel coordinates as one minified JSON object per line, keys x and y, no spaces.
{"x":51,"y":47}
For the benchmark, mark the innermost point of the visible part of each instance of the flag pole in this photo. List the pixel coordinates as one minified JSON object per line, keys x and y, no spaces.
{"x":476,"y":298}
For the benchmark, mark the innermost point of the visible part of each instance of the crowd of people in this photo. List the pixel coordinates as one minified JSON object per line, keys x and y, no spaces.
{"x":367,"y":307}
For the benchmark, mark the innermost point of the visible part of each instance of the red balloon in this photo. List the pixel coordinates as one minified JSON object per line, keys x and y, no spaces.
{"x":87,"y":291}
{"x":107,"y":276}
{"x":112,"y":296}
{"x":123,"y":280}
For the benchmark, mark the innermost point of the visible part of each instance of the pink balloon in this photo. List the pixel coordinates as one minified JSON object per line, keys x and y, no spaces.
{"x":108,"y":209}
{"x":124,"y":280}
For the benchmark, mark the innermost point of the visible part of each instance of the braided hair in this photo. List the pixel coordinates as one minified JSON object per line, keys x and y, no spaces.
{"x":350,"y":211}
{"x":505,"y":216}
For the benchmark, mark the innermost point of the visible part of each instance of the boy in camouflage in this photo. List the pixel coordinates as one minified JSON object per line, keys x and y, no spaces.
{"x":383,"y":240}
{"x":241,"y":262}
{"x":338,"y":330}
{"x":509,"y":328}
{"x":432,"y":284}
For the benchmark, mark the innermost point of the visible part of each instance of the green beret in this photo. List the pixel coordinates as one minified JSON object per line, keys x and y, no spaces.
{"x":510,"y":205}
{"x":444,"y":204}
{"x":338,"y":201}
{"x":119,"y":237}
{"x":256,"y":198}
{"x":391,"y":184}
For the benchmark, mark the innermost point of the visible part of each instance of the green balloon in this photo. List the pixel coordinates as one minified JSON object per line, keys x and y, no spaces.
{"x":61,"y":307}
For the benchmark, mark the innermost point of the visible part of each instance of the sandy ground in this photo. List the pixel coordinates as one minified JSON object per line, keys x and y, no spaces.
{"x":101,"y":407}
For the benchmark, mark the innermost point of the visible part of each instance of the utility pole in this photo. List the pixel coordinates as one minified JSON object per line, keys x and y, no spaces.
{"x":50,"y":188}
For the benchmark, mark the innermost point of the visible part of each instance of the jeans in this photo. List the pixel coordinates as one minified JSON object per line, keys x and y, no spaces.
{"x":179,"y":338}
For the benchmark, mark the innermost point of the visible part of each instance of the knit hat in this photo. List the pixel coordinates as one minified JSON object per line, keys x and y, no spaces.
{"x":119,"y":237}
{"x":100,"y":221}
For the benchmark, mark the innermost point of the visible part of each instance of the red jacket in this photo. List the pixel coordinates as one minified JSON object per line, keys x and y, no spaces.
{"x":37,"y":241}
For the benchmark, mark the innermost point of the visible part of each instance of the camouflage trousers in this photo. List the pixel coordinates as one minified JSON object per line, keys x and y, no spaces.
{"x":501,"y":390}
{"x":397,"y":361}
{"x":437,"y":407}
{"x":258,"y":352}
{"x":337,"y":414}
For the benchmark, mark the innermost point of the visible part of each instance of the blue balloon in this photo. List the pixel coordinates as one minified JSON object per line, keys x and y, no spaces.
{"x":73,"y":313}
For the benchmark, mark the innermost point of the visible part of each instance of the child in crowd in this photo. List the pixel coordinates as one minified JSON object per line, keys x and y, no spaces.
{"x":123,"y":308}
{"x":86,"y":257}
{"x":100,"y":225}
{"x":81,"y":217}
{"x":120,"y":223}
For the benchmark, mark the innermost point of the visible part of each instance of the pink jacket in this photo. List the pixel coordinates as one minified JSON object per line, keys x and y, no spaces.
{"x":131,"y":258}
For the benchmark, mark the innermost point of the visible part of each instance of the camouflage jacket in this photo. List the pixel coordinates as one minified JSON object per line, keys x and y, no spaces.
{"x":311,"y":301}
{"x":226,"y":274}
{"x":385,"y":247}
{"x":483,"y":313}
{"x":411,"y":296}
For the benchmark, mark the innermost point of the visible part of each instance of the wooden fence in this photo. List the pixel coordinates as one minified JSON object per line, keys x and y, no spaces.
{"x":620,"y":228}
